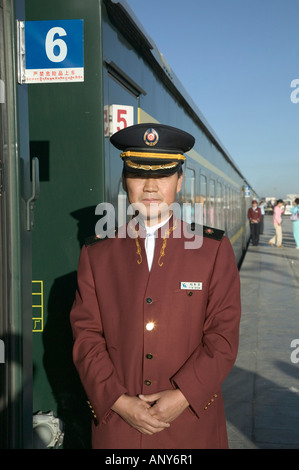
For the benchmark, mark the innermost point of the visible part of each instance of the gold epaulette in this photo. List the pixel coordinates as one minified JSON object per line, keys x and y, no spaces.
{"x":92,"y":240}
{"x":98,"y":238}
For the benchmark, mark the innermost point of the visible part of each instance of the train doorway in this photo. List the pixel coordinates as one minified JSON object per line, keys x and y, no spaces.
{"x":15,"y":243}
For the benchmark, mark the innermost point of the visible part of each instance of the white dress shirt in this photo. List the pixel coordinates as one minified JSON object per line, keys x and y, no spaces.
{"x":150,"y":242}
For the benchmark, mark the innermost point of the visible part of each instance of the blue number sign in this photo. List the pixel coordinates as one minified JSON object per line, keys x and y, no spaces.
{"x":54,"y":51}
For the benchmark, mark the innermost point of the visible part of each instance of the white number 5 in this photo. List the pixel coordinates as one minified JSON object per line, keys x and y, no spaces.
{"x":51,"y":43}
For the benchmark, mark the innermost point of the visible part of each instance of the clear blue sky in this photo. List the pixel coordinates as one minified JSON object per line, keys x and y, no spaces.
{"x":237,"y":59}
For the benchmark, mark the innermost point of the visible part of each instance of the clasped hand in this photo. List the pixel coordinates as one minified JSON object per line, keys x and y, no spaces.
{"x":153,"y":413}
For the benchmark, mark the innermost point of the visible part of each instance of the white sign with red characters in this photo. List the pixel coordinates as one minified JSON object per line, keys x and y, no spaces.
{"x":117,"y":117}
{"x":50,"y":51}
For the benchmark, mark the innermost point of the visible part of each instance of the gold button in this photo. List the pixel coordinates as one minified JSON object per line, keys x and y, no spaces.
{"x":149,"y":356}
{"x":150,"y":326}
{"x":147,"y":382}
{"x":149,"y":300}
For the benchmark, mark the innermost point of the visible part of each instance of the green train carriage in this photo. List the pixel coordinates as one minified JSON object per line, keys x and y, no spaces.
{"x":126,"y":80}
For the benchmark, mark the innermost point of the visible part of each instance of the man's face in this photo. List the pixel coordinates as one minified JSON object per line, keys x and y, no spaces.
{"x":152,"y":195}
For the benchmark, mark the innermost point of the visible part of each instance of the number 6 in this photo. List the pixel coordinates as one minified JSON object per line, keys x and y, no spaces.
{"x":51,"y":43}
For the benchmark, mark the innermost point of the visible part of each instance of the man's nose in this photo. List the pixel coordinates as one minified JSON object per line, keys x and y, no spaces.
{"x":150,"y":185}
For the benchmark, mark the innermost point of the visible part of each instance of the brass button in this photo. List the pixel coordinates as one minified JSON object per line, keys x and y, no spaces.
{"x":147,"y":382}
{"x":149,"y":300}
{"x":150,"y":326}
{"x":149,"y":356}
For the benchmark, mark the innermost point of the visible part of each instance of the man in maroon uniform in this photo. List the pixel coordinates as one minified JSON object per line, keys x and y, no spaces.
{"x":156,"y":324}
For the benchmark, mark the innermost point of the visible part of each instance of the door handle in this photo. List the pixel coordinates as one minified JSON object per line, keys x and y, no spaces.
{"x":34,"y":195}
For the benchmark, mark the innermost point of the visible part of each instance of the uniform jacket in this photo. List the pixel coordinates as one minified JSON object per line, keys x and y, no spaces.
{"x":254,"y":214}
{"x":193,"y":344}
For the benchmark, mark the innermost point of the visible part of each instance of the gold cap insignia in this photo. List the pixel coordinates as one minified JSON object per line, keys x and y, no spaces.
{"x":151,"y":137}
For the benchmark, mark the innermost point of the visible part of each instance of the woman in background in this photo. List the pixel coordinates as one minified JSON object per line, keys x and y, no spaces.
{"x":277,"y":221}
{"x":295,"y":220}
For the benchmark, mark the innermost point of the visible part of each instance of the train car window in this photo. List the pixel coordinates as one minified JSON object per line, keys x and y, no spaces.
{"x":240,"y":208}
{"x":235,"y":211}
{"x":236,"y":208}
{"x":203,"y":196}
{"x":220,"y":205}
{"x":189,"y":195}
{"x":213,"y":214}
{"x":227,"y":209}
{"x":232,"y":209}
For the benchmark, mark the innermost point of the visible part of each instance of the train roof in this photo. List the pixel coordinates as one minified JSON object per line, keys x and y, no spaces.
{"x":128,"y":24}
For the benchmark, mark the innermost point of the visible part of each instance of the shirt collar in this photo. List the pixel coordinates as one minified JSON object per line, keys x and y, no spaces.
{"x":151,"y":230}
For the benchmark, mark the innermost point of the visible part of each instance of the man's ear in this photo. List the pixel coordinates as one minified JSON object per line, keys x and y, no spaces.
{"x":179,"y":183}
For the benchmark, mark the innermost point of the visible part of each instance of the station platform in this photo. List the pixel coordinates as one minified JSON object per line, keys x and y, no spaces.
{"x":261,"y":394}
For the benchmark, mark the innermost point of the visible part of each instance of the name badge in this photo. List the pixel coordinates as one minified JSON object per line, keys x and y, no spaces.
{"x":191,"y":285}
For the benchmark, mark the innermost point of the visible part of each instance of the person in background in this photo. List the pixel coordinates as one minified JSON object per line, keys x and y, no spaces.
{"x":295,"y":220}
{"x":254,"y":216}
{"x":277,"y":221}
{"x":262,"y":205}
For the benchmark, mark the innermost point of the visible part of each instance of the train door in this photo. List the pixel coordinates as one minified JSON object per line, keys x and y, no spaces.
{"x":4,"y":413}
{"x":15,"y":243}
{"x":66,"y":135}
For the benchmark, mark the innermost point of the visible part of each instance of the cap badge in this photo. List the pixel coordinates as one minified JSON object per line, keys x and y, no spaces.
{"x":151,"y":137}
{"x":209,"y":231}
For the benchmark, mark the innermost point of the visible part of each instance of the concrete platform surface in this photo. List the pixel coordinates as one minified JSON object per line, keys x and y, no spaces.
{"x":261,"y":394}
